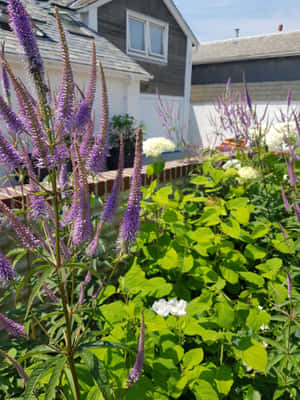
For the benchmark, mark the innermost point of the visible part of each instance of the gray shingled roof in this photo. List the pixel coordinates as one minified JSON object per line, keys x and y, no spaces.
{"x":279,"y":44}
{"x":80,"y":43}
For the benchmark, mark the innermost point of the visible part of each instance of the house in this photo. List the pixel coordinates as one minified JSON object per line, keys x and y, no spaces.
{"x":154,"y":34}
{"x":270,"y":64}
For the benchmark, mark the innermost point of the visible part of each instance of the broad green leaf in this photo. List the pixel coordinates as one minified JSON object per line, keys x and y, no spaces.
{"x":203,"y":390}
{"x":95,"y":394}
{"x":225,"y":315}
{"x":257,"y":319}
{"x":35,"y":291}
{"x":188,"y":263}
{"x":260,"y":229}
{"x":242,"y":215}
{"x":224,"y":379}
{"x":57,"y":370}
{"x":270,"y":268}
{"x":253,"y":394}
{"x":161,"y":197}
{"x":229,"y":275}
{"x":170,"y":216}
{"x":253,"y":278}
{"x":170,"y":260}
{"x":237,"y":203}
{"x":253,"y":354}
{"x":34,"y":378}
{"x":210,"y":217}
{"x":254,"y":252}
{"x":202,"y":181}
{"x":216,"y":174}
{"x":231,"y":228}
{"x":98,"y":372}
{"x":285,"y":246}
{"x":192,"y":358}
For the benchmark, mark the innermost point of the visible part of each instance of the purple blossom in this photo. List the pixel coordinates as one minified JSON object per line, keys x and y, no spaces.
{"x":19,"y":368}
{"x":83,"y":114}
{"x":50,"y":294}
{"x":8,"y":154}
{"x":131,"y":219}
{"x":6,"y":270}
{"x":291,"y":172}
{"x":297,"y":210}
{"x":290,"y":286}
{"x":86,"y":141}
{"x":99,"y":150}
{"x":139,"y":362}
{"x":65,"y":97}
{"x":87,"y":278}
{"x":81,"y":297}
{"x":27,"y":239}
{"x":38,"y":204}
{"x":11,"y":326}
{"x":285,"y":200}
{"x":96,"y":294}
{"x":5,"y":84}
{"x":63,"y":179}
{"x":12,"y":121}
{"x":23,"y":27}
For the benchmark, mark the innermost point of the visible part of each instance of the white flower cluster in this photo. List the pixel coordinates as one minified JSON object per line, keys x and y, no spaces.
{"x":247,"y":173}
{"x":276,"y":138}
{"x":153,"y":147}
{"x":174,"y":307}
{"x":232,"y":164}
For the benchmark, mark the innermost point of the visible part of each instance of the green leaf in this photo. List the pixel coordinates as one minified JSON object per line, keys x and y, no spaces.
{"x":224,"y":379}
{"x":252,"y":394}
{"x":231,"y":228}
{"x":237,"y":203}
{"x":170,"y":260}
{"x":161,"y":197}
{"x":203,"y":390}
{"x":260,"y":229}
{"x":170,"y":216}
{"x":253,"y":278}
{"x":254,"y":252}
{"x":192,"y":358}
{"x":57,"y":370}
{"x":257,"y":319}
{"x":35,"y":376}
{"x":210,"y":217}
{"x":203,"y":181}
{"x":270,"y":268}
{"x":35,"y":291}
{"x":242,"y":215}
{"x":225,"y":315}
{"x":105,"y":344}
{"x":94,"y":394}
{"x":285,"y":246}
{"x":98,"y":372}
{"x":253,"y":354}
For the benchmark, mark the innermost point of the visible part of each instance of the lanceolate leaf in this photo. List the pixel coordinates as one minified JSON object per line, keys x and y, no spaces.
{"x":104,"y":344}
{"x":45,"y":275}
{"x":57,"y":370}
{"x":97,"y":370}
{"x":34,"y":378}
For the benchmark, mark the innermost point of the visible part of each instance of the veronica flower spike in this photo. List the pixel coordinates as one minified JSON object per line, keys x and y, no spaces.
{"x":139,"y":362}
{"x":6,"y":270}
{"x":12,"y":327}
{"x":131,"y":219}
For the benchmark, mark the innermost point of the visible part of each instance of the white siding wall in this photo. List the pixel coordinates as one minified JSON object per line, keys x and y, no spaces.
{"x":202,"y":131}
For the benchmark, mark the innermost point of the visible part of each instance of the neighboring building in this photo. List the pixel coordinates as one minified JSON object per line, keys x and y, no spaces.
{"x":270,"y":64}
{"x":154,"y":34}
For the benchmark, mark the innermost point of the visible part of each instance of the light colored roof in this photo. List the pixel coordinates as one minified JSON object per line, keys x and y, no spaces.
{"x":77,"y":4}
{"x":79,"y":38}
{"x":279,"y":44}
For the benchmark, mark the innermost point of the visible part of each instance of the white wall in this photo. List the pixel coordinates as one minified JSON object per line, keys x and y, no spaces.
{"x":203,"y":132}
{"x":149,"y":114}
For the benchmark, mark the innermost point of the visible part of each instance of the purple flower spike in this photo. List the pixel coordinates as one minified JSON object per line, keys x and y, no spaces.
{"x":27,"y":239}
{"x":5,"y":81}
{"x":87,"y":278}
{"x":81,"y":297}
{"x":85,"y":109}
{"x":38,"y":204}
{"x":50,"y":294}
{"x":12,"y":121}
{"x":291,"y":172}
{"x":285,"y":200}
{"x":131,"y":219}
{"x":139,"y":362}
{"x":297,"y":210}
{"x":290,"y":286}
{"x":65,"y":97}
{"x":19,"y":368}
{"x":99,"y":151}
{"x":23,"y":28}
{"x":8,"y":154}
{"x":11,"y":326}
{"x":6,"y":271}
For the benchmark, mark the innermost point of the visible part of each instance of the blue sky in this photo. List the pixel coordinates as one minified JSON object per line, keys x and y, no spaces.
{"x":216,"y":19}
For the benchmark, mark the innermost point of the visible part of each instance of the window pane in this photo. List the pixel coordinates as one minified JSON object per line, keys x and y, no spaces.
{"x":156,"y":38}
{"x":137,"y":36}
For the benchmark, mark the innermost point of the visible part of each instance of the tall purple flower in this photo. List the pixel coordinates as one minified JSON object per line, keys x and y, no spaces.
{"x":99,"y":150}
{"x":65,"y":96}
{"x":291,"y":172}
{"x":23,"y":28}
{"x":8,"y":154}
{"x":86,"y":141}
{"x":11,"y":326}
{"x":297,"y":210}
{"x":130,"y":224}
{"x":27,"y":239}
{"x":285,"y":200}
{"x":6,"y":271}
{"x":112,"y":202}
{"x":290,"y":286}
{"x":139,"y":362}
{"x":63,"y":180}
{"x":19,"y":368}
{"x":5,"y":80}
{"x":83,"y":114}
{"x":12,"y":121}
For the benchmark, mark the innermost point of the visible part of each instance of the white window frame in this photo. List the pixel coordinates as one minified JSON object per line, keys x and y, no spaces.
{"x":146,"y":54}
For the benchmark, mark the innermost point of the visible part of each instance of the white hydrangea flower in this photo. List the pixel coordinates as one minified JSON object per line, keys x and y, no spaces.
{"x":161,"y":307}
{"x":260,"y":308}
{"x":154,"y":147}
{"x":247,"y":173}
{"x":232,"y":164}
{"x":264,"y":327}
{"x":279,"y":133}
{"x":174,"y":307}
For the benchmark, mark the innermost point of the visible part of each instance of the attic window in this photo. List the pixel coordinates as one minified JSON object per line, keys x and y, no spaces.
{"x":147,"y":37}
